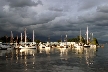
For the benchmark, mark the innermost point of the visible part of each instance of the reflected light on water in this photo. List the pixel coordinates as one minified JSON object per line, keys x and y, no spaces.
{"x":63,"y":53}
{"x":27,"y":51}
{"x":89,"y":55}
{"x":53,"y":60}
{"x":47,"y":50}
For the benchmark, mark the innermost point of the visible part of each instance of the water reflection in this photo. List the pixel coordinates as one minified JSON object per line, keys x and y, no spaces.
{"x":5,"y":52}
{"x":63,"y":53}
{"x":28,"y":52}
{"x":26,"y":57}
{"x":78,"y":50}
{"x":86,"y":55}
{"x":55,"y":59}
{"x":46,"y":50}
{"x":89,"y":55}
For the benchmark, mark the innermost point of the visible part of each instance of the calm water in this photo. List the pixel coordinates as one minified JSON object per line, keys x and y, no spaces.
{"x":55,"y":60}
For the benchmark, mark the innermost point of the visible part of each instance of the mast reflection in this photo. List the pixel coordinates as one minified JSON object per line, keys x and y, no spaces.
{"x":85,"y":54}
{"x":89,"y":53}
{"x":44,"y":50}
{"x":26,"y":57}
{"x":63,"y":53}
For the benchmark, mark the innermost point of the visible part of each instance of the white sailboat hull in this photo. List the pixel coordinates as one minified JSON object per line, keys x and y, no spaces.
{"x":27,"y":47}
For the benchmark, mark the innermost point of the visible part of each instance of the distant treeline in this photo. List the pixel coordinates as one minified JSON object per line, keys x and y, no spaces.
{"x":82,"y":40}
{"x":6,"y":39}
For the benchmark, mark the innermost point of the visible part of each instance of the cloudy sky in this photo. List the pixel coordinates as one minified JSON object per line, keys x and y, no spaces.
{"x":54,"y":17}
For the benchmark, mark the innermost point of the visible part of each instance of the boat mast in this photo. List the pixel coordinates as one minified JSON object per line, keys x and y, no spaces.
{"x":16,"y":40}
{"x":92,"y":36}
{"x":11,"y":40}
{"x":25,"y":36}
{"x":87,"y":34}
{"x":33,"y":36}
{"x":61,"y":41}
{"x":21,"y":38}
{"x":66,"y":39}
{"x":80,"y":35}
{"x":61,"y":38}
{"x":49,"y":39}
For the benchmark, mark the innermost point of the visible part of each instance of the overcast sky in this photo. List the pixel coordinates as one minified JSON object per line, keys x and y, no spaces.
{"x":54,"y":17}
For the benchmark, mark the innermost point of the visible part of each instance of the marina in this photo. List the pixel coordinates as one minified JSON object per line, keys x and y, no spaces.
{"x":53,"y":36}
{"x":81,"y":55}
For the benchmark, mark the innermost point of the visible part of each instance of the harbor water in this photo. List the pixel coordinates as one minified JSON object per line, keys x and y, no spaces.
{"x":55,"y":60}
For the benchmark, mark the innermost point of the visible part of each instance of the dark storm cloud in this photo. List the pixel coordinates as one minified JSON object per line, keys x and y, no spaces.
{"x":87,"y":4}
{"x":46,"y":17}
{"x":2,"y":13}
{"x":101,"y":17}
{"x":103,"y":8}
{"x":102,"y":23}
{"x":56,"y":9}
{"x":98,"y":18}
{"x":25,"y":17}
{"x":53,"y":17}
{"x":23,"y":3}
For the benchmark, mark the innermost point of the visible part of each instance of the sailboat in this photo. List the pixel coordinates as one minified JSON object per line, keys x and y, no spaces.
{"x":64,"y":44}
{"x":93,"y":45}
{"x":87,"y":45}
{"x":26,"y":46}
{"x":45,"y":46}
{"x":79,"y":45}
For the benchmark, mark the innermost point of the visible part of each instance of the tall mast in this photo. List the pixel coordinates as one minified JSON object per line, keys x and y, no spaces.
{"x":11,"y":40}
{"x":61,"y":38}
{"x":66,"y":39}
{"x":87,"y":34}
{"x":16,"y":40}
{"x":92,"y":36}
{"x":25,"y":35}
{"x":33,"y":36}
{"x":21,"y":38}
{"x":49,"y":39}
{"x":80,"y":35}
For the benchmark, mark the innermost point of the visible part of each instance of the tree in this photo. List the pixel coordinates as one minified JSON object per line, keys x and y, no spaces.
{"x":58,"y":40}
{"x":94,"y":41}
{"x":37,"y":41}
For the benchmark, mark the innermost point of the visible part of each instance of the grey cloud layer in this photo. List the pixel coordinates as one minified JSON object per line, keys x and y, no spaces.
{"x":23,"y":3}
{"x":54,"y":17}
